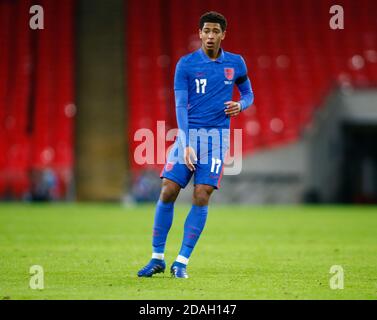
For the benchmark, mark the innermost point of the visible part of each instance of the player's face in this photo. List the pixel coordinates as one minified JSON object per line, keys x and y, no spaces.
{"x":211,"y":36}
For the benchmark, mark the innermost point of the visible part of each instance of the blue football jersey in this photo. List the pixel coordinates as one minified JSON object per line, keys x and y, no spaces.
{"x":209,"y":84}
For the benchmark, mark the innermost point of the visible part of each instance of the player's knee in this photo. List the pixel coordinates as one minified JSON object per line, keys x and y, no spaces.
{"x":167,"y":195}
{"x":201,"y":195}
{"x":169,"y":191}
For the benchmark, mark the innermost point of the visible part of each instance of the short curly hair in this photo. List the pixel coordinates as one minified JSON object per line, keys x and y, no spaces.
{"x":214,"y":17}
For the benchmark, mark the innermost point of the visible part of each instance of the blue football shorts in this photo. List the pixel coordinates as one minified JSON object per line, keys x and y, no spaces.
{"x":208,"y":167}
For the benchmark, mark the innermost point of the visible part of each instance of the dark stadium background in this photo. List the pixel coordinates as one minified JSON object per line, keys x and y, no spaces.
{"x":73,"y":95}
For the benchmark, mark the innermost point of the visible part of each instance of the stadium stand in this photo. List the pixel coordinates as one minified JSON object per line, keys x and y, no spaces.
{"x":36,"y":95}
{"x":295,"y":60}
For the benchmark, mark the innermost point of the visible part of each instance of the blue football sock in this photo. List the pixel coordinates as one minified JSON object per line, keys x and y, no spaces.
{"x":162,"y":222}
{"x":194,"y":226}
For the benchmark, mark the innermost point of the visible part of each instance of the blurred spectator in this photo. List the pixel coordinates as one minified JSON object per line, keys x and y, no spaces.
{"x":43,"y":185}
{"x":146,"y":187}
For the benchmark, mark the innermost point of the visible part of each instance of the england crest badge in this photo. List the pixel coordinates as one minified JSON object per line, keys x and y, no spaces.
{"x":229,"y":73}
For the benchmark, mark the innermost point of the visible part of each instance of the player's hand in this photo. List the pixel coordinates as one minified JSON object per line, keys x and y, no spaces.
{"x":190,"y":158}
{"x":232,"y":108}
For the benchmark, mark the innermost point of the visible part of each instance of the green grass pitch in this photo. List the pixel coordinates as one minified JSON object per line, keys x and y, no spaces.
{"x":93,"y":251}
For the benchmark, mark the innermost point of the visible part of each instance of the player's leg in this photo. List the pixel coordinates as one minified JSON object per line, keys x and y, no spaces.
{"x":162,"y":222}
{"x":194,"y":225}
{"x":164,"y":216}
{"x":208,"y":175}
{"x":175,"y":176}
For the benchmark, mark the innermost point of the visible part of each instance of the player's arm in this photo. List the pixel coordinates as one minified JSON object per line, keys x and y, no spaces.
{"x":247,"y":96}
{"x":181,"y":107}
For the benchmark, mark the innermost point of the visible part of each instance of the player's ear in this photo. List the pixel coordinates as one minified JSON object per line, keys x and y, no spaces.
{"x":200,"y":33}
{"x":223,"y":36}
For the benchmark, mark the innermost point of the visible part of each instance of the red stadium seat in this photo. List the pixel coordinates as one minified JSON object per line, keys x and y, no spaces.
{"x":36,"y":86}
